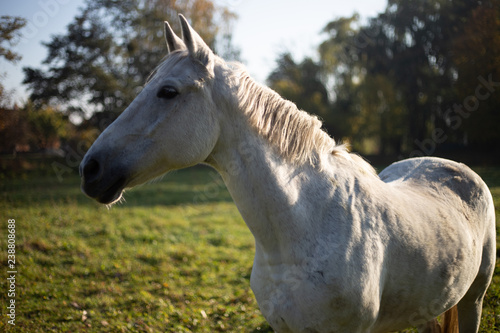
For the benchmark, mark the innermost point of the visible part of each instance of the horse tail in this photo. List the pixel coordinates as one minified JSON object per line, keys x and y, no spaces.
{"x":450,"y":321}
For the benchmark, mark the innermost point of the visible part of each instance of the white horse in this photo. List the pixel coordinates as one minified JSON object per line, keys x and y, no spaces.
{"x":338,"y":248}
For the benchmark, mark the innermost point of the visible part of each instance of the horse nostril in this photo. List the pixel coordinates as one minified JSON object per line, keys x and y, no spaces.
{"x":91,"y":170}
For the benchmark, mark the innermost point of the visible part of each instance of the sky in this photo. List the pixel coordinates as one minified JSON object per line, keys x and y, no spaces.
{"x":264,"y":29}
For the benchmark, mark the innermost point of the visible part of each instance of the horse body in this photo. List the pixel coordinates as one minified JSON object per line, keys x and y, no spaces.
{"x":343,"y":251}
{"x":338,"y":248}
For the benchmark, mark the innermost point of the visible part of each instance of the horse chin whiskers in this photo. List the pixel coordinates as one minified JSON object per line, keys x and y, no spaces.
{"x":121,"y":199}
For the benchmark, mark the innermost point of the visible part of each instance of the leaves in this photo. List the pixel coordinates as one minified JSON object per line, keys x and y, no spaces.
{"x":300,"y":83}
{"x":396,"y":78}
{"x":109,"y":50}
{"x":9,"y":33}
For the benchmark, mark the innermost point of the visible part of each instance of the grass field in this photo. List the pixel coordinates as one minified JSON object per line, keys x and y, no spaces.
{"x":175,"y":257}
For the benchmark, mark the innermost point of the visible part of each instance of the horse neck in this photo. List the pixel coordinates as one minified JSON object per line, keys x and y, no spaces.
{"x":254,"y":174}
{"x":278,"y":195}
{"x":276,"y":198}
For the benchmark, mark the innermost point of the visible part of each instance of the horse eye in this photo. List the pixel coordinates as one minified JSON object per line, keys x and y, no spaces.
{"x":167,"y":92}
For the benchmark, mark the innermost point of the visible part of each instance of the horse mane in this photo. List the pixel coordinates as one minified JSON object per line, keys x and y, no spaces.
{"x":296,"y":134}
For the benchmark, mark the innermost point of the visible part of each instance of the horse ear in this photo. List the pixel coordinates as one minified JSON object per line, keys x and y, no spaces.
{"x":173,"y":42}
{"x":196,"y":46}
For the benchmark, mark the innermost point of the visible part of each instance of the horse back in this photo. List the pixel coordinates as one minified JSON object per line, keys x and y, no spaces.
{"x":441,"y":179}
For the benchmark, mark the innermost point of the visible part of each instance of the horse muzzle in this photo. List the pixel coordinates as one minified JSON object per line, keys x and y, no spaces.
{"x":104,"y":184}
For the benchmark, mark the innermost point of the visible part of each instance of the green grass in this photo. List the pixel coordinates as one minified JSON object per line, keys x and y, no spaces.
{"x":175,"y":257}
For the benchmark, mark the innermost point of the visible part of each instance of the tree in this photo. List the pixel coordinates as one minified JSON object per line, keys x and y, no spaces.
{"x":12,"y":123}
{"x":47,"y":126}
{"x":13,"y":129}
{"x":367,"y":110}
{"x":300,"y":83}
{"x":409,"y":61}
{"x":109,"y":50}
{"x":9,"y":34}
{"x":32,"y":128}
{"x":476,"y":55}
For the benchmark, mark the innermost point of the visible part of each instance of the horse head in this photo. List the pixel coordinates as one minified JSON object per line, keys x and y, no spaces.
{"x":171,"y":124}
